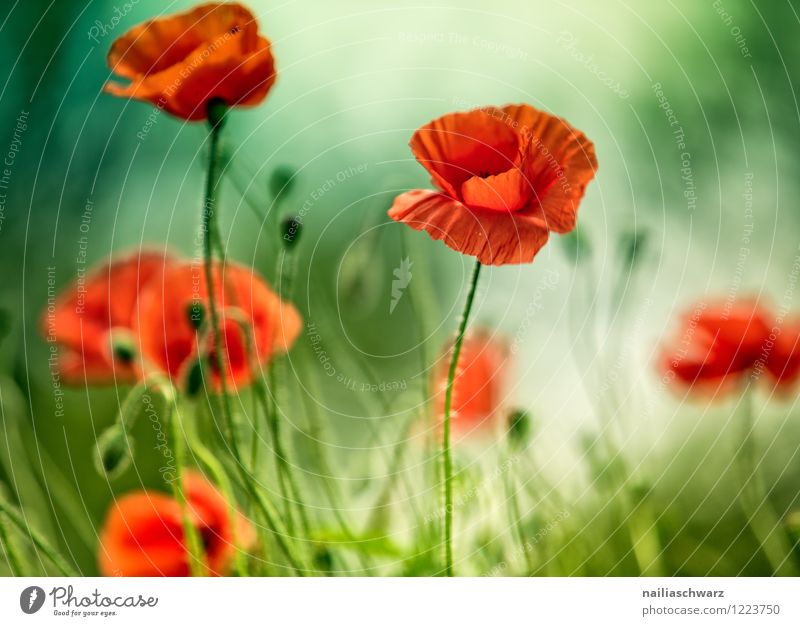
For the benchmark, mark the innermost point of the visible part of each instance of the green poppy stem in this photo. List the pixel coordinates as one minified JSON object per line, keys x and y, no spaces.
{"x":216,"y":118}
{"x":447,"y":461}
{"x":289,"y":488}
{"x":64,"y":568}
{"x":217,"y":472}
{"x":10,"y":550}
{"x":194,"y":545}
{"x":762,"y":518}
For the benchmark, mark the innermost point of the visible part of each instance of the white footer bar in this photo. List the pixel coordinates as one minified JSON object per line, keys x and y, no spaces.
{"x":401,"y":602}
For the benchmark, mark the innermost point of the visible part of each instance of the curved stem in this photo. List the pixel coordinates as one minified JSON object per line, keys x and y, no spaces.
{"x":272,"y":520}
{"x":193,"y":543}
{"x":284,"y":269}
{"x":447,"y":461}
{"x":270,"y":412}
{"x":221,"y":479}
{"x":10,"y":550}
{"x":315,"y":432}
{"x":762,"y":519}
{"x":210,"y":237}
{"x":40,"y":542}
{"x":510,"y":484}
{"x":255,"y":438}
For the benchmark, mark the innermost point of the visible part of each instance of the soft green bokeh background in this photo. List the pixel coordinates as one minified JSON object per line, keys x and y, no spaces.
{"x":355,"y":79}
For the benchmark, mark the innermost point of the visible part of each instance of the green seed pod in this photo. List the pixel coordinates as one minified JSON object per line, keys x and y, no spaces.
{"x":113,"y":452}
{"x":196,"y":314}
{"x":281,"y":181}
{"x":519,"y":427}
{"x":193,"y":382}
{"x":291,"y":228}
{"x":323,"y":559}
{"x":123,"y":346}
{"x":633,"y":246}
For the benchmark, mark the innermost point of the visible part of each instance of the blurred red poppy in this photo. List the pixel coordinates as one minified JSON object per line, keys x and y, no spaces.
{"x":96,"y":308}
{"x":173,"y":322}
{"x":506,"y":177}
{"x":182,"y":62}
{"x":479,"y":382}
{"x":143,"y":532}
{"x":783,"y":361}
{"x":721,"y":343}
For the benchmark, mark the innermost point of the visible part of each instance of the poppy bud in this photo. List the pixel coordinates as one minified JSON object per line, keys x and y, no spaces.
{"x":123,"y":346}
{"x":633,"y":245}
{"x":576,"y":245}
{"x":323,"y":559}
{"x":281,"y":181}
{"x":193,"y":382}
{"x":113,"y":452}
{"x":196,"y":314}
{"x":519,"y":427}
{"x":290,"y":230}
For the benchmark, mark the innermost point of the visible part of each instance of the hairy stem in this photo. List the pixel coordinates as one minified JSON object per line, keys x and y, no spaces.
{"x":762,"y":519}
{"x":197,"y":561}
{"x":447,"y":461}
{"x":210,"y":236}
{"x":213,"y":465}
{"x":38,"y":541}
{"x":10,"y":550}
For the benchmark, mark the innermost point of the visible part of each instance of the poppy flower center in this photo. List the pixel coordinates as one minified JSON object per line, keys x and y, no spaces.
{"x":209,"y":537}
{"x":484,"y":163}
{"x":467,"y":145}
{"x":485,"y":159}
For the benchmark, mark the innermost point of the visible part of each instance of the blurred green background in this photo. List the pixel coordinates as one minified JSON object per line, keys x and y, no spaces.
{"x":715,"y":218}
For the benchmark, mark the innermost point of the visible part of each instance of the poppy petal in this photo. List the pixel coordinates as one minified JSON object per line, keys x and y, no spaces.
{"x":143,"y":536}
{"x":255,"y":323}
{"x":143,"y":532}
{"x":163,"y":42}
{"x":86,"y":312}
{"x":458,"y":146}
{"x":783,"y":360}
{"x":495,"y":238}
{"x":502,"y":192}
{"x":180,"y":63}
{"x":559,"y":162}
{"x":478,"y":385}
{"x":718,"y":344}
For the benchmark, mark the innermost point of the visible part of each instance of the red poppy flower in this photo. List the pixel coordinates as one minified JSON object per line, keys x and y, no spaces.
{"x":720,"y":344}
{"x":92,"y":310}
{"x":254,"y":322}
{"x":143,"y":532}
{"x":783,"y":360}
{"x":182,"y":62}
{"x":479,"y":382}
{"x":506,"y":177}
